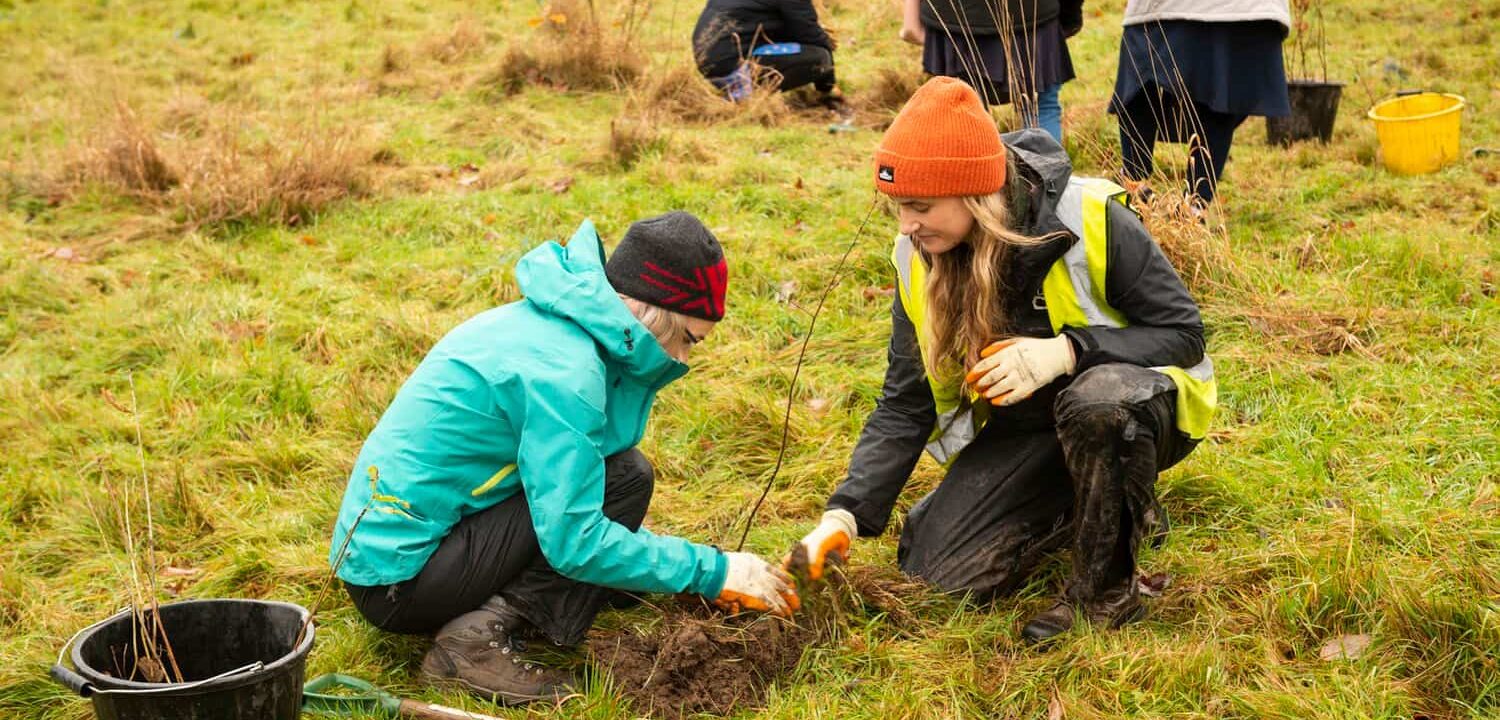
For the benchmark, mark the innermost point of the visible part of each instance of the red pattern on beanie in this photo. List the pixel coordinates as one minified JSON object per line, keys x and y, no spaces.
{"x":943,"y":143}
{"x":702,"y":296}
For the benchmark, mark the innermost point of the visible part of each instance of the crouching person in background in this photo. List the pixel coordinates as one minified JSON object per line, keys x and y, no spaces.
{"x":502,"y":493}
{"x":734,"y":37}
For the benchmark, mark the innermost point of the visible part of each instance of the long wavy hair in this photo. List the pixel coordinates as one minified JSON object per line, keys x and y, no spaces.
{"x":967,"y":288}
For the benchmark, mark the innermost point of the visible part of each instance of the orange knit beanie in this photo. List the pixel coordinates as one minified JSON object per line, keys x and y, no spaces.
{"x":943,"y":143}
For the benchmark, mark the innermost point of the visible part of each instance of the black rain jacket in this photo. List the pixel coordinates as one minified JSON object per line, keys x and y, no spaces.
{"x":729,"y":29}
{"x":1164,"y":329}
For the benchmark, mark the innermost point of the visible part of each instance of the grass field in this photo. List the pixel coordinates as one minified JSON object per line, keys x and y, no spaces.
{"x":354,"y":178}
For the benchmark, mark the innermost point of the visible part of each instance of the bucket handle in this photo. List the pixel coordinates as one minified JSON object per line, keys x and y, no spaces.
{"x":1409,"y":92}
{"x":78,"y":684}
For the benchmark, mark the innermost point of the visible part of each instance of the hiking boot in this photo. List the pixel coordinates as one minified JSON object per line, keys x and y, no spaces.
{"x":1114,"y":609}
{"x":1049,"y":623}
{"x":478,"y":651}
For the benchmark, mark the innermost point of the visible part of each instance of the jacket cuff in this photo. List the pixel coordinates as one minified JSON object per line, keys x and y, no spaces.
{"x":1084,"y":348}
{"x":713,"y":583}
{"x":865,"y":525}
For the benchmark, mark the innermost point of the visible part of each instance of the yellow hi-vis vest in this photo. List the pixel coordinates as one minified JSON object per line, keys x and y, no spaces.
{"x":1074,"y":292}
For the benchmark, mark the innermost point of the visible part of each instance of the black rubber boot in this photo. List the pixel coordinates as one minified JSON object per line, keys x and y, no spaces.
{"x":477,"y":650}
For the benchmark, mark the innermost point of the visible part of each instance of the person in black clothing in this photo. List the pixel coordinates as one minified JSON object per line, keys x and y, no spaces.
{"x":1007,"y":50}
{"x":782,"y":35}
{"x":1042,"y":350}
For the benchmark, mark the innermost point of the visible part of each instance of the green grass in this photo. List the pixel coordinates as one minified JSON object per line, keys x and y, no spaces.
{"x":1353,"y":493}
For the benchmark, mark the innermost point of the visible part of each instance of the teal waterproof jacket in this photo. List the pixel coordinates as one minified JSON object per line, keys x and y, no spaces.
{"x":528,"y":397}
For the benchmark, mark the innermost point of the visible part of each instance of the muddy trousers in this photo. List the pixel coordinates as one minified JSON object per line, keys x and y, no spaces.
{"x":495,"y":552}
{"x":1089,"y":484}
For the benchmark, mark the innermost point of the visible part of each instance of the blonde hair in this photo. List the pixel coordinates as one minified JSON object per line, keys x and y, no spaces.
{"x":667,"y":326}
{"x":966,"y":288}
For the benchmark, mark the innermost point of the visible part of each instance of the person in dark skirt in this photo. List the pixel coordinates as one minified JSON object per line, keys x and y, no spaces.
{"x":1190,"y":72}
{"x":781,"y":35}
{"x":1007,"y":50}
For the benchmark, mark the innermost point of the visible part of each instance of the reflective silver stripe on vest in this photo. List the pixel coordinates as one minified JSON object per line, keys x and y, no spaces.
{"x":955,"y":431}
{"x":1070,"y":212}
{"x":1202,"y":372}
{"x":904,"y":251}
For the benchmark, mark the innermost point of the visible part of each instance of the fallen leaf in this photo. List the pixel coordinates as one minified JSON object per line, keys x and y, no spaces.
{"x":558,"y":18}
{"x":468,"y":180}
{"x":873,"y":292}
{"x":308,"y":240}
{"x":1344,"y":647}
{"x":819,"y":406}
{"x":535,"y":22}
{"x":489,"y":219}
{"x":561,"y":185}
{"x":798,"y":184}
{"x":468,"y":168}
{"x":1055,"y":708}
{"x":1153,"y":585}
{"x":65,"y":254}
{"x":786,"y":290}
{"x":242,"y":59}
{"x":171,"y":571}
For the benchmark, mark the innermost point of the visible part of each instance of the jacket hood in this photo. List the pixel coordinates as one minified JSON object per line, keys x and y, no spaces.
{"x":568,"y":281}
{"x":1043,"y":169}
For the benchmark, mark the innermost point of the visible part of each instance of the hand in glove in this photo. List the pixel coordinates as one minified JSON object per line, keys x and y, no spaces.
{"x":1014,"y":368}
{"x":831,"y":536}
{"x":754,"y":584}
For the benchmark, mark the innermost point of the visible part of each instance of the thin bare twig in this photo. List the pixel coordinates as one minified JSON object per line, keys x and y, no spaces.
{"x":791,"y":390}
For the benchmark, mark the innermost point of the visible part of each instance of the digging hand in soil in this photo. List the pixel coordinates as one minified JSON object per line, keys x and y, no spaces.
{"x":754,"y":584}
{"x":832,"y":536}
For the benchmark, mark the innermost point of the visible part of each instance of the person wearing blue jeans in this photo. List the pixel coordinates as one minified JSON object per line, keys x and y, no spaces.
{"x":967,"y":39}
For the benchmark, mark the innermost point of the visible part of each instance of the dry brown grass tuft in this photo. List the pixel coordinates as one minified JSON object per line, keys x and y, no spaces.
{"x":122,"y":154}
{"x":216,"y":176}
{"x":572,"y":48}
{"x":632,"y":137}
{"x":1199,"y":251}
{"x":681,"y":93}
{"x":890,"y":91}
{"x":466,"y":39}
{"x":284,"y":182}
{"x":1320,"y":333}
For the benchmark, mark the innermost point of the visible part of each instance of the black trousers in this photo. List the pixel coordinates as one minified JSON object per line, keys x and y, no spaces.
{"x":1012,"y":498}
{"x":1151,"y":116}
{"x":495,"y":552}
{"x":814,"y":66}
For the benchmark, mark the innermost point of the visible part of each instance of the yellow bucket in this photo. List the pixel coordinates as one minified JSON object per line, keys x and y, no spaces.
{"x":1418,"y":133}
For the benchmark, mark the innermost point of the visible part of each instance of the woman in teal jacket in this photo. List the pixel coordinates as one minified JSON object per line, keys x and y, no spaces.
{"x":502,"y":490}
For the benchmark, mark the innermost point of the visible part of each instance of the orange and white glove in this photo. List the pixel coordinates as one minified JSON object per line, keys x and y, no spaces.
{"x":754,"y":584}
{"x":1014,"y":368}
{"x":832,"y":536}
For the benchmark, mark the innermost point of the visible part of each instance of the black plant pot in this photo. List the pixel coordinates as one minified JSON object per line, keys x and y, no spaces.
{"x":1314,"y":106}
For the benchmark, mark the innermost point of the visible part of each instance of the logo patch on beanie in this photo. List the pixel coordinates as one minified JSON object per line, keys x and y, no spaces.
{"x":886,"y":174}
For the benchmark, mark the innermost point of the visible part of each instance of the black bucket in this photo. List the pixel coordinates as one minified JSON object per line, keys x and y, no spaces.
{"x":237,"y":660}
{"x":1314,"y":106}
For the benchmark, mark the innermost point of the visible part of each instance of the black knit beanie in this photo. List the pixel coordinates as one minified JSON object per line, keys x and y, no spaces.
{"x":671,"y":261}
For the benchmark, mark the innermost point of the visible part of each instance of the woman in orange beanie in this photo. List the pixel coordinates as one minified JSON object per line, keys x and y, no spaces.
{"x":1043,"y":351}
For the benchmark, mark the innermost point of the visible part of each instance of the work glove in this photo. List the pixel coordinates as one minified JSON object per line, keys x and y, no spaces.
{"x":832,"y":536}
{"x":754,"y":584}
{"x":1012,"y":369}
